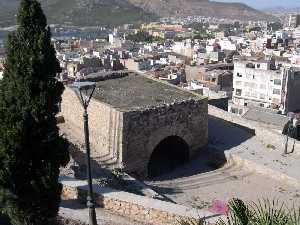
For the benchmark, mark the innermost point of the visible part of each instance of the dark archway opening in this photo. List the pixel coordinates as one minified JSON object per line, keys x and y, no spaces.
{"x":169,"y":154}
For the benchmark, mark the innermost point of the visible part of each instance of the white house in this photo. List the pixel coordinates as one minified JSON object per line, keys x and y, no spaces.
{"x":256,"y":83}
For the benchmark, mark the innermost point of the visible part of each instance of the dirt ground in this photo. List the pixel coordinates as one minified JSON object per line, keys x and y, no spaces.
{"x":198,"y":183}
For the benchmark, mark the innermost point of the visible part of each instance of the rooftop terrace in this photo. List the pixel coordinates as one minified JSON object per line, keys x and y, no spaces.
{"x":134,"y":92}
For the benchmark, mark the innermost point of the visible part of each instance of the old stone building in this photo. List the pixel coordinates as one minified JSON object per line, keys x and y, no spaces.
{"x":140,"y":124}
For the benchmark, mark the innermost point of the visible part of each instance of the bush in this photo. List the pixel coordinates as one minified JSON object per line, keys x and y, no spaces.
{"x":31,"y":149}
{"x":264,"y":212}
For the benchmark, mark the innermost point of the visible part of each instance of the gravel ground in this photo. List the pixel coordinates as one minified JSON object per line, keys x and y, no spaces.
{"x":203,"y":180}
{"x":231,"y":181}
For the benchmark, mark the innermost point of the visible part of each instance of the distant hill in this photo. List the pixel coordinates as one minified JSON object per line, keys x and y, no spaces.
{"x":80,"y":12}
{"x":202,"y":8}
{"x":97,"y":12}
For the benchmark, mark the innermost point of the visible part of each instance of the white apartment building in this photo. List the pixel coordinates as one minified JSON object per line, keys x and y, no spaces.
{"x":255,"y":84}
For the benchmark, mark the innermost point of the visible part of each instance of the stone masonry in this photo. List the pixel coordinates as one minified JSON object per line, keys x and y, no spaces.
{"x":135,"y":207}
{"x":130,"y":116}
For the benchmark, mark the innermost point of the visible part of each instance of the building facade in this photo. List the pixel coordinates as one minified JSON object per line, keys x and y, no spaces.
{"x":255,"y":84}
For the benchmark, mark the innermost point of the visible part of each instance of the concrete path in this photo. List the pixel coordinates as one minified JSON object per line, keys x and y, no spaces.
{"x":254,"y":152}
{"x":254,"y":171}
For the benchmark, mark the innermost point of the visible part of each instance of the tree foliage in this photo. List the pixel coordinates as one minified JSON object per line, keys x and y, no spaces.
{"x":265,"y":212}
{"x":142,"y":36}
{"x":31,"y":149}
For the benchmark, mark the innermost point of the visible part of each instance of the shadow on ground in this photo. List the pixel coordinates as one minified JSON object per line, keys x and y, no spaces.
{"x":226,"y":135}
{"x":222,"y":136}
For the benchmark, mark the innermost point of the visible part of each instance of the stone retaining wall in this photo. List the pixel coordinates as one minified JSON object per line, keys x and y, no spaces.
{"x":268,"y":133}
{"x":136,"y":207}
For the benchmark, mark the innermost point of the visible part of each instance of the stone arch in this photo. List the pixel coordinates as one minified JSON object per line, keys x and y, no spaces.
{"x":170,"y":153}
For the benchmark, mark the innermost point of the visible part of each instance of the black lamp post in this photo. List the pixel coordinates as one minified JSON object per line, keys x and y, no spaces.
{"x":84,"y":91}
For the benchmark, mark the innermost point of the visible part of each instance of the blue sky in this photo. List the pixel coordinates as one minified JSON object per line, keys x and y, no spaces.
{"x":260,"y":4}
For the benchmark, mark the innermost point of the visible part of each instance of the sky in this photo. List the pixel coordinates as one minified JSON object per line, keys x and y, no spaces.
{"x":261,"y":4}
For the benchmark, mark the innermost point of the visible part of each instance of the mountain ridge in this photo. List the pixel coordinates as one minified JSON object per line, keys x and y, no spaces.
{"x":103,"y":12}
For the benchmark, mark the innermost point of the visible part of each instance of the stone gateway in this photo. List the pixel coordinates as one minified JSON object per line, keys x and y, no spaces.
{"x":140,"y":124}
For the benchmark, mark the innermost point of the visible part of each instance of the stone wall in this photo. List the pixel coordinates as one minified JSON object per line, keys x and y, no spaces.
{"x":135,"y":207}
{"x":127,"y":138}
{"x":105,"y":126}
{"x":268,"y":133}
{"x":144,"y":130}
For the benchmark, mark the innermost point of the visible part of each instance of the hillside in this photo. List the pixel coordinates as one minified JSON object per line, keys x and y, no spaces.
{"x":99,"y":12}
{"x":80,"y":12}
{"x":207,"y":8}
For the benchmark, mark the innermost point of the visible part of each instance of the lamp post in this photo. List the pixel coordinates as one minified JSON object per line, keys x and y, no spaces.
{"x":84,"y":91}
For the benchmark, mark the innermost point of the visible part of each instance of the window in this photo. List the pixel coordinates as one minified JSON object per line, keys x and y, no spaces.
{"x":250,"y":65}
{"x":276,"y":91}
{"x":258,"y":66}
{"x":277,"y":82}
{"x":239,"y":75}
{"x":238,"y":92}
{"x":261,"y":105}
{"x":234,"y":110}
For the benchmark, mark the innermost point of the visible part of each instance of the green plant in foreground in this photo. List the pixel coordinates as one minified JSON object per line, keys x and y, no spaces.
{"x":264,"y":212}
{"x":192,"y":222}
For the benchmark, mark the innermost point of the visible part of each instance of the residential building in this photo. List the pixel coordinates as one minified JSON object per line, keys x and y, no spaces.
{"x":294,"y":20}
{"x":256,"y":83}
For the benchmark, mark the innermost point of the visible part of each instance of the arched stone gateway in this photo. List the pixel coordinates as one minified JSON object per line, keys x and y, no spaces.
{"x":170,"y":153}
{"x":139,"y":124}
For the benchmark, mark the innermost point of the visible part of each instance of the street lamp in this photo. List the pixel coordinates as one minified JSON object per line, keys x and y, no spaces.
{"x":84,"y":91}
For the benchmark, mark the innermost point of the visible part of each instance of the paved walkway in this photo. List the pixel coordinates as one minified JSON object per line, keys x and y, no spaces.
{"x":256,"y":171}
{"x":79,"y":212}
{"x":255,"y":151}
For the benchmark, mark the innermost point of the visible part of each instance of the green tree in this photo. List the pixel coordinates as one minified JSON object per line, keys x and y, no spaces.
{"x":31,"y":149}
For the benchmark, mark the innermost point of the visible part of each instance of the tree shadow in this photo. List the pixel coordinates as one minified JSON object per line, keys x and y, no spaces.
{"x":222,"y":136}
{"x":79,"y":157}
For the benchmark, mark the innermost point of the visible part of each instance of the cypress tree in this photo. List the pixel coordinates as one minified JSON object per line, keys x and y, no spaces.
{"x":31,"y":149}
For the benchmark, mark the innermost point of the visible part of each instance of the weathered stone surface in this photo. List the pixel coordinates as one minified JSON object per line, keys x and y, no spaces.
{"x":124,"y":131}
{"x":137,"y":207}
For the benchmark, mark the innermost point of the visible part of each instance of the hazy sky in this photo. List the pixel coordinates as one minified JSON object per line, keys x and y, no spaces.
{"x":259,"y":4}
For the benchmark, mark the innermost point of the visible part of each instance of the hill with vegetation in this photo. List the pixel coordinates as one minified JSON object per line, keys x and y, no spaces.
{"x":113,"y":12}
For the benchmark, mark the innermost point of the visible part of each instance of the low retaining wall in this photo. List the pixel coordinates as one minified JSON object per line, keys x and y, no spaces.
{"x":270,"y":134}
{"x":265,"y":170}
{"x":136,"y":207}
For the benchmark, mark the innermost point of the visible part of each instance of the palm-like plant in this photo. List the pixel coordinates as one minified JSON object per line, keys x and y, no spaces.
{"x":264,"y":212}
{"x":192,"y":222}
